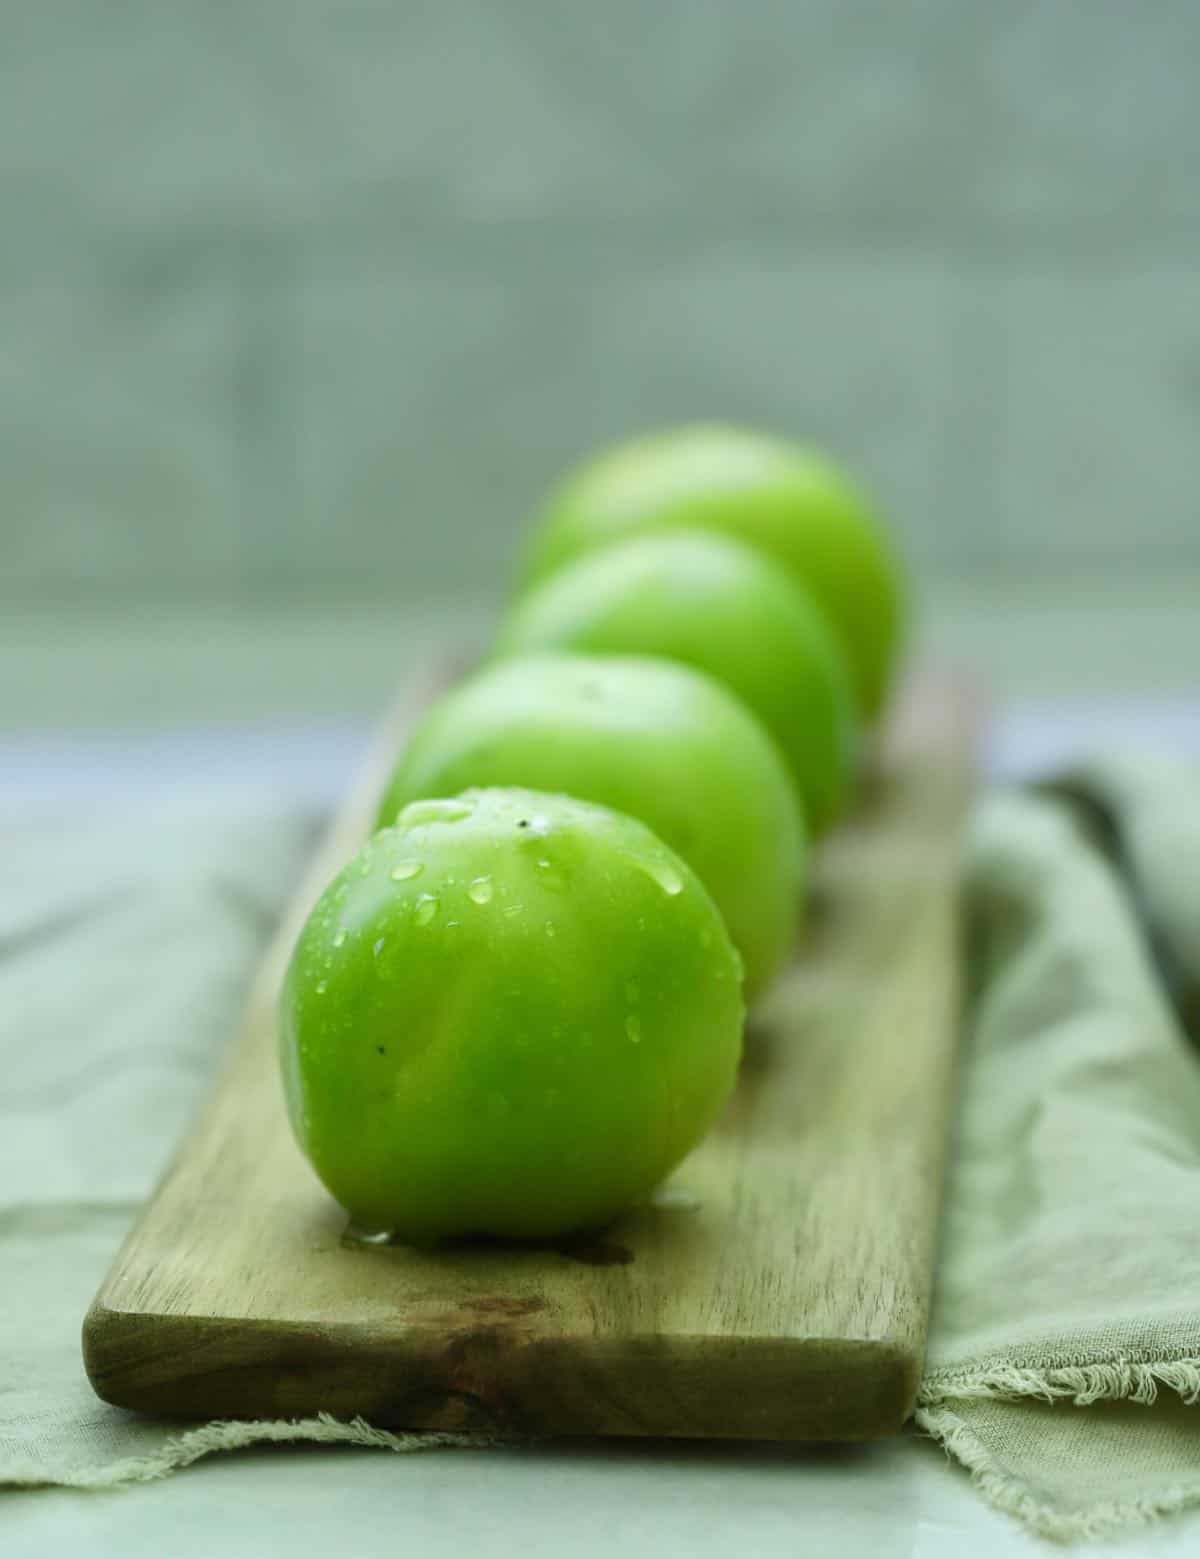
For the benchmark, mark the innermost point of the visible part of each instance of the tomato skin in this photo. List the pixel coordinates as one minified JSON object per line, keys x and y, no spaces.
{"x":510,"y":1014}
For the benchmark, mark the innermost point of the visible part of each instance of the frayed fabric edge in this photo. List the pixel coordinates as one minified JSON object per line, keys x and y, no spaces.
{"x":1080,"y":1384}
{"x":237,"y":1434}
{"x":1008,"y":1494}
{"x":1116,"y":1380}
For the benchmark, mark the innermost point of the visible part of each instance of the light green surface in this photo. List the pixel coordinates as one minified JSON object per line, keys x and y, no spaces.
{"x":171,"y":665}
{"x":899,"y":1499}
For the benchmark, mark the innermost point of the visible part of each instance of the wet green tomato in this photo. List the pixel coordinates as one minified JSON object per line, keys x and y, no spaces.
{"x":511,"y":1014}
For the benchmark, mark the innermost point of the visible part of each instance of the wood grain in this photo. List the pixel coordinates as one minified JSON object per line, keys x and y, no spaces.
{"x":777,"y":1288}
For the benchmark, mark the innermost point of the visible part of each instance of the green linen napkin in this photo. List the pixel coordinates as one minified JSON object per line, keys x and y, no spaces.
{"x":1066,"y":1341}
{"x":1065,"y":1351}
{"x":127,"y":939}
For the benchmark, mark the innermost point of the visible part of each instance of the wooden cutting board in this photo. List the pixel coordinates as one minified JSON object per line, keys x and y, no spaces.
{"x":778,"y":1287}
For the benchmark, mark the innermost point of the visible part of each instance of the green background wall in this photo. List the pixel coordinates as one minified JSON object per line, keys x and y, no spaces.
{"x":309,"y":299}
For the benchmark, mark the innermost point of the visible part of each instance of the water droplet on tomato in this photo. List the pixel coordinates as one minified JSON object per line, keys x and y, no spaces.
{"x":549,"y":875}
{"x":481,"y":890}
{"x":667,"y":878}
{"x":434,"y":812}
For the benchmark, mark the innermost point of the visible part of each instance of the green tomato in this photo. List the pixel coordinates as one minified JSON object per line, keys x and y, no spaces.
{"x":720,"y":607}
{"x":786,"y":500}
{"x":511,"y":1014}
{"x":659,"y":741}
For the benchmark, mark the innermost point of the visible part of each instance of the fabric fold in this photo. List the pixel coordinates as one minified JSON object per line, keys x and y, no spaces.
{"x":1069,"y":1276}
